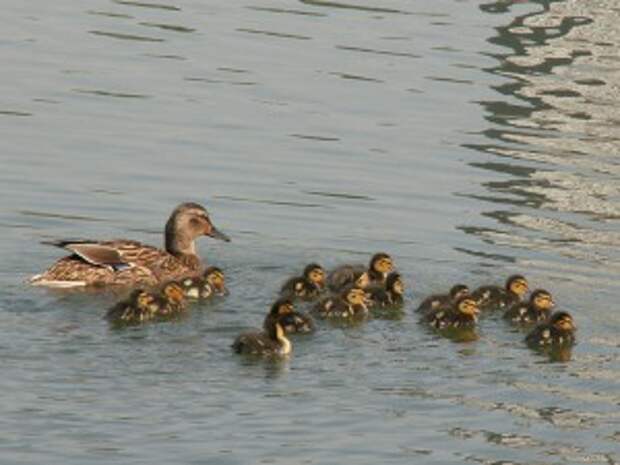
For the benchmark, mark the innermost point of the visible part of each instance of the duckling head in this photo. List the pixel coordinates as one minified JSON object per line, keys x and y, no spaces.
{"x":281,"y":307}
{"x":187,"y":222}
{"x":315,"y":273}
{"x":173,"y":292}
{"x":356,"y":296}
{"x":299,"y":286}
{"x":363,"y":281}
{"x":563,"y":321}
{"x":542,"y":300}
{"x":394,"y":283}
{"x":457,"y":291}
{"x":381,"y":263}
{"x":143,"y":299}
{"x":517,"y":284}
{"x":467,"y":306}
{"x":215,"y":277}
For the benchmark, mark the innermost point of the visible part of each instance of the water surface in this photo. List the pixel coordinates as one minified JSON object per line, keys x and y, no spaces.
{"x":470,"y":140}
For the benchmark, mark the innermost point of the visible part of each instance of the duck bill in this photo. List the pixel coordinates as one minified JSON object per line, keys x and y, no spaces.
{"x":217,"y":234}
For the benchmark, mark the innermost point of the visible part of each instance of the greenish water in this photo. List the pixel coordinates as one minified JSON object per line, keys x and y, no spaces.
{"x":469,"y":140}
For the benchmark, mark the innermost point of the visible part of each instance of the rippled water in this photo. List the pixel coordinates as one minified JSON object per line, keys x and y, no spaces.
{"x":470,"y":140}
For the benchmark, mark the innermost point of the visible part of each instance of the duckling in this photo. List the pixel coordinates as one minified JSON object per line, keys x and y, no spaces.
{"x":139,"y":307}
{"x":171,"y":300}
{"x":270,"y":342}
{"x":391,"y":294}
{"x":308,"y":286}
{"x":352,"y":303}
{"x":558,"y":331}
{"x":214,"y":276}
{"x":291,"y":321}
{"x":210,"y":284}
{"x":495,"y":297}
{"x":299,"y":288}
{"x":316,"y":274}
{"x":443,"y":301}
{"x":142,"y":306}
{"x":462,"y":315}
{"x":381,"y":264}
{"x":536,"y":310}
{"x":196,"y":287}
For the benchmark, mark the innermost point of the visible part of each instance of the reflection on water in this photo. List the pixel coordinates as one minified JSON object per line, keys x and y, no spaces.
{"x":555,"y":130}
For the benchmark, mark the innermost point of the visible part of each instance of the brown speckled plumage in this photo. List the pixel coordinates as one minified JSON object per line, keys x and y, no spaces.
{"x":131,"y":263}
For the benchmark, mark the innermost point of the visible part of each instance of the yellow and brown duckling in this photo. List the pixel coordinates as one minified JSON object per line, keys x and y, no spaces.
{"x":389,"y":295}
{"x":558,"y":331}
{"x":496,"y":297}
{"x":538,"y":309}
{"x":352,"y":303}
{"x":130,"y":263}
{"x":197,"y":288}
{"x":214,"y":276}
{"x":172,"y":300}
{"x":139,"y":307}
{"x":308,"y":286}
{"x":210,"y":284}
{"x":462,"y":315}
{"x":291,"y":321}
{"x":437,"y":302}
{"x":270,"y":342}
{"x":381,"y":264}
{"x":142,"y":306}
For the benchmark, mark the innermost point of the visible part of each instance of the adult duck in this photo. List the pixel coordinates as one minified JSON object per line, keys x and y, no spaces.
{"x":130,"y":263}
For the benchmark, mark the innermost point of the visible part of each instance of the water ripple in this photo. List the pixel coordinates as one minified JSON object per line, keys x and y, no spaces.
{"x":286,"y":11}
{"x":274,"y":34}
{"x":377,"y":52}
{"x":356,"y":77}
{"x":107,"y":93}
{"x":15,"y":113}
{"x":157,"y":6}
{"x":349,"y":6}
{"x":121,"y":36}
{"x":169,"y":27}
{"x":59,"y":216}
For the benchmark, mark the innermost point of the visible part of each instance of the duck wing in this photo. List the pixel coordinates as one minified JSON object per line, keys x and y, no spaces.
{"x":93,"y":252}
{"x":117,"y":254}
